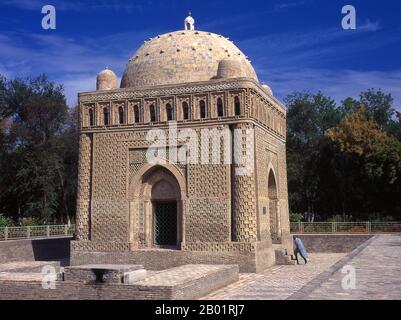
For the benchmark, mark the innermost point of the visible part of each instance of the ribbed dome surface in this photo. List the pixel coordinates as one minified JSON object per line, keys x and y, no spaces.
{"x":182,"y":57}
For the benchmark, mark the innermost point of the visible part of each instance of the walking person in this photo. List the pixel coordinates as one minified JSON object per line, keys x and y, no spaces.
{"x":300,"y":248}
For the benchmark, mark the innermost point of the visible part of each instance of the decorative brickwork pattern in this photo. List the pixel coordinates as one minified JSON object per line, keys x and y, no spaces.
{"x":208,"y":180}
{"x":208,"y":220}
{"x":84,"y":187}
{"x":244,"y":196}
{"x":222,"y":211}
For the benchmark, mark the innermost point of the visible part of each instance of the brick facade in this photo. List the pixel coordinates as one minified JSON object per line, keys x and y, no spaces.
{"x":219,"y":212}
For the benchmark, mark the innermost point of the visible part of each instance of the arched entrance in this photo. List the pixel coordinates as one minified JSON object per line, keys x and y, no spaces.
{"x":157,"y":213}
{"x":273,"y":204}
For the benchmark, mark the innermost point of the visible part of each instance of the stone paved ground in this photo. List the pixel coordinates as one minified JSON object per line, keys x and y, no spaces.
{"x":378,"y":276}
{"x":278,"y":282}
{"x":377,"y":264}
{"x":378,"y":273}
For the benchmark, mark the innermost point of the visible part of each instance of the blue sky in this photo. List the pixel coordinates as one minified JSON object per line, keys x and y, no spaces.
{"x":293,"y":44}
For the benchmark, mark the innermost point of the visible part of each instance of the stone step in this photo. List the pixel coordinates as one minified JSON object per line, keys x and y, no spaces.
{"x":188,"y":281}
{"x":29,"y":266}
{"x":283,"y":258}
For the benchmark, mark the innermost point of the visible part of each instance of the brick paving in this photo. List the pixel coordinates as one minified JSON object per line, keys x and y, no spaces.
{"x":377,"y":270}
{"x":377,"y":264}
{"x":182,"y":274}
{"x":277,"y":282}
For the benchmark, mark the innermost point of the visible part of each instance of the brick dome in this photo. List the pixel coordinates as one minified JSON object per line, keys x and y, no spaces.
{"x":182,"y":57}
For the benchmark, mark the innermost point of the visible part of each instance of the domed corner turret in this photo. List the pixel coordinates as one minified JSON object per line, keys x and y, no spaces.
{"x":106,"y":80}
{"x":229,"y":68}
{"x":267,"y":89}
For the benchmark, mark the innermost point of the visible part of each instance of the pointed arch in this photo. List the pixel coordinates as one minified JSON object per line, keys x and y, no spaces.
{"x":237,"y":106}
{"x":185,"y":111}
{"x":220,"y":107}
{"x":274,"y":218}
{"x":106,"y":116}
{"x":91,"y":117}
{"x":158,"y":194}
{"x":121,"y":117}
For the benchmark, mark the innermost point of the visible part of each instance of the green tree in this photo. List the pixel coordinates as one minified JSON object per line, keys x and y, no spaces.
{"x":39,"y":162}
{"x":309,"y":116}
{"x":368,"y":160}
{"x":378,"y":105}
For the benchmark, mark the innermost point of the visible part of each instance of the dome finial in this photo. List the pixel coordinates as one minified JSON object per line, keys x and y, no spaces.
{"x":189,"y":22}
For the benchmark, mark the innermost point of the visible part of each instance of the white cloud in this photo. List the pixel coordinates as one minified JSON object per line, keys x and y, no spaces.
{"x":38,"y":4}
{"x":71,"y":62}
{"x":370,"y":26}
{"x":127,"y":6}
{"x":314,"y":46}
{"x":287,"y":5}
{"x":337,"y":84}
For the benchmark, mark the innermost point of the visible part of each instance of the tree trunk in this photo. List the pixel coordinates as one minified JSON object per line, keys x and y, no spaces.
{"x":66,"y":216}
{"x":343,"y":207}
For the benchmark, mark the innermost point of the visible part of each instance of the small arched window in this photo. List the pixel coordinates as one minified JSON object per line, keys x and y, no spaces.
{"x":136,"y":114}
{"x":152,"y":113}
{"x":106,"y":117}
{"x":237,"y":106}
{"x":185,"y":110}
{"x":121,"y":115}
{"x":202,"y":109}
{"x":220,"y":108}
{"x":169,"y":112}
{"x":91,"y":117}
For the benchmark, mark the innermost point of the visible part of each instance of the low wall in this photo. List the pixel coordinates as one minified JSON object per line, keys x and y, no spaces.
{"x":173,"y":285}
{"x":257,"y":259}
{"x":333,"y":243}
{"x":35,"y":249}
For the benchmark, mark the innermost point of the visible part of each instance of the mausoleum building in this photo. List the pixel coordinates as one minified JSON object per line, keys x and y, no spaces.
{"x":171,"y":213}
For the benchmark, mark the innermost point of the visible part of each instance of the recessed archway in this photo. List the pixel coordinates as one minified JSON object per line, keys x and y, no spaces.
{"x":157,"y":213}
{"x":273,"y":206}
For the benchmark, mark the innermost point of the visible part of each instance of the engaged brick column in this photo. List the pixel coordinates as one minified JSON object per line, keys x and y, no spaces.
{"x":283,"y":191}
{"x":244,"y":193}
{"x":84,"y":187}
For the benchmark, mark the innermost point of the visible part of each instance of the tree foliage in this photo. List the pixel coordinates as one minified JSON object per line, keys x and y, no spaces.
{"x":346,"y":160}
{"x":39,"y":150}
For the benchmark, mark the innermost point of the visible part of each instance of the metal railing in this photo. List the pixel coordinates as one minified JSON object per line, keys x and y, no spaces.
{"x":31,"y":232}
{"x":345,"y":227}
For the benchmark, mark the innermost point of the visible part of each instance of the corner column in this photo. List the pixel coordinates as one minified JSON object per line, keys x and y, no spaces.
{"x":84,"y":187}
{"x":244,"y":185}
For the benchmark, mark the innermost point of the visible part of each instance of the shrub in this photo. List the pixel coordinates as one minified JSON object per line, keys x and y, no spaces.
{"x":5,"y":221}
{"x":31,"y":222}
{"x":336,"y":218}
{"x":296,"y":217}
